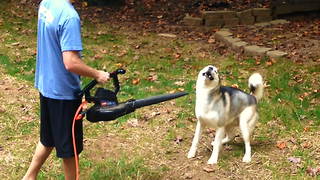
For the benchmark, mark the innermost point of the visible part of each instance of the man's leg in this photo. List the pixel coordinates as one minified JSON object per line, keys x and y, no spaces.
{"x":41,"y":154}
{"x":69,"y":167}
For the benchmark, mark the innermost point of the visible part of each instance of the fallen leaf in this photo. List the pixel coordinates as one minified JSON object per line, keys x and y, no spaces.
{"x":178,"y":139}
{"x":235,"y":86}
{"x":179,"y":83}
{"x":210,"y":168}
{"x":167,"y":35}
{"x":15,"y":44}
{"x":104,"y":51}
{"x":135,"y":81}
{"x":312,"y":171}
{"x":84,"y":4}
{"x":269,"y":63}
{"x":133,"y":123}
{"x":152,"y":77}
{"x":294,"y":160}
{"x":281,"y":145}
{"x":136,"y":57}
{"x":97,"y":56}
{"x":187,"y":175}
{"x":177,"y":55}
{"x":306,"y":145}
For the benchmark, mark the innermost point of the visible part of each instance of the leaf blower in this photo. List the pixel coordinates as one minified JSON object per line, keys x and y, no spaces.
{"x":107,"y":108}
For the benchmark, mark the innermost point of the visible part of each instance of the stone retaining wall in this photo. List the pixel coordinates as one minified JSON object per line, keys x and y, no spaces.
{"x":251,"y":16}
{"x":230,"y":18}
{"x":238,"y":45}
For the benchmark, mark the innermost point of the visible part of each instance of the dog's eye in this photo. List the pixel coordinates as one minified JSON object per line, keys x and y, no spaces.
{"x":203,"y":74}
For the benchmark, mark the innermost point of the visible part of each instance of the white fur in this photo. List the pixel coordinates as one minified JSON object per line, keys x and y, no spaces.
{"x":209,"y":115}
{"x":256,"y":81}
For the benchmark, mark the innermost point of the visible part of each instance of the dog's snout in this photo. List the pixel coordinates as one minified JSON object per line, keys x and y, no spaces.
{"x":208,"y":74}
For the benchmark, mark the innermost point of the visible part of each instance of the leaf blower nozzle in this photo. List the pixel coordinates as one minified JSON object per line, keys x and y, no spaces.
{"x":99,"y":112}
{"x":106,"y":106}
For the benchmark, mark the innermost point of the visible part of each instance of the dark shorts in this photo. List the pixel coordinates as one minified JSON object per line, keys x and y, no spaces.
{"x":56,"y":125}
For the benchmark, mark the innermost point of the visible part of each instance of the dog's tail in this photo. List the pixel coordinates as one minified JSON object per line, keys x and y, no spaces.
{"x":256,"y":85}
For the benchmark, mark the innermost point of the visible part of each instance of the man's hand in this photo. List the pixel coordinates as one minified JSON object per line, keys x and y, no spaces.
{"x":103,"y":77}
{"x":74,"y":64}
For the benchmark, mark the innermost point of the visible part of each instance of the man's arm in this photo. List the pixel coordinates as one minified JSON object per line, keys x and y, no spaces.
{"x":74,"y":64}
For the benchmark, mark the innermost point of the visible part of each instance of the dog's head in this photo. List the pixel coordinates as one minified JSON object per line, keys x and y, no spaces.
{"x":209,"y":77}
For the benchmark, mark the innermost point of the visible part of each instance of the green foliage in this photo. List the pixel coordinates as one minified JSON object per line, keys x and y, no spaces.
{"x":22,"y":69}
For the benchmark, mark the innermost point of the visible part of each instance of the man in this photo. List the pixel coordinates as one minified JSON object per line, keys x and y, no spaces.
{"x":57,"y":79}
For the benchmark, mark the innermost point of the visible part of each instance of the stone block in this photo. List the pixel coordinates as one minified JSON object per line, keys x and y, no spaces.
{"x":261,"y":12}
{"x":245,"y":14}
{"x":230,"y":40}
{"x":218,"y":14}
{"x":256,"y":50}
{"x":192,"y":21}
{"x":263,"y":19}
{"x":220,"y":35}
{"x":211,"y":14}
{"x":276,"y":54}
{"x":238,"y":46}
{"x":214,"y":22}
{"x":247,"y":21}
{"x":229,"y":14}
{"x":262,"y":24}
{"x":279,"y":21}
{"x":231,"y":22}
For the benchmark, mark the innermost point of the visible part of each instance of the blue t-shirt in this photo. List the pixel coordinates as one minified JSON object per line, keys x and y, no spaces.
{"x":59,"y":30}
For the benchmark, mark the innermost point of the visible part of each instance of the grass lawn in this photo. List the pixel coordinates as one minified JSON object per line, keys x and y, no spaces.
{"x":152,"y":143}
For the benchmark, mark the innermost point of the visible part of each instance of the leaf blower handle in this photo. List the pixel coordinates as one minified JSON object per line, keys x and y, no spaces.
{"x":114,"y":75}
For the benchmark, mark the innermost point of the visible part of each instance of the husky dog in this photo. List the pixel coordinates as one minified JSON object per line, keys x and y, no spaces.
{"x":224,"y":108}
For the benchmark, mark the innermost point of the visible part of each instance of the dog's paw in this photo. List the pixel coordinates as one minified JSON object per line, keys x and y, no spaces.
{"x":191,"y":154}
{"x":246,"y":159}
{"x":212,"y":161}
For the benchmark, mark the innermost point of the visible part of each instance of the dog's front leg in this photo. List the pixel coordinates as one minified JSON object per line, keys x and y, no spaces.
{"x":220,"y":134}
{"x":195,"y":141}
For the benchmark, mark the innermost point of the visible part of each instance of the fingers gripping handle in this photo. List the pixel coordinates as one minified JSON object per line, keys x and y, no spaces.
{"x":114,"y":75}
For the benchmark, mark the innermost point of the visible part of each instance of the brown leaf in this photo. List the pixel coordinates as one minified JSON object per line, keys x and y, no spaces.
{"x":235,"y":85}
{"x":135,"y":81}
{"x":210,"y":168}
{"x":281,"y":145}
{"x":133,"y":123}
{"x":187,"y":175}
{"x":306,"y":145}
{"x":119,"y":65}
{"x":313,"y":171}
{"x":178,"y":139}
{"x":179,"y":83}
{"x":294,"y":160}
{"x":177,"y":55}
{"x":104,"y":51}
{"x":15,"y":44}
{"x":152,"y":77}
{"x":97,"y":56}
{"x":269,"y":63}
